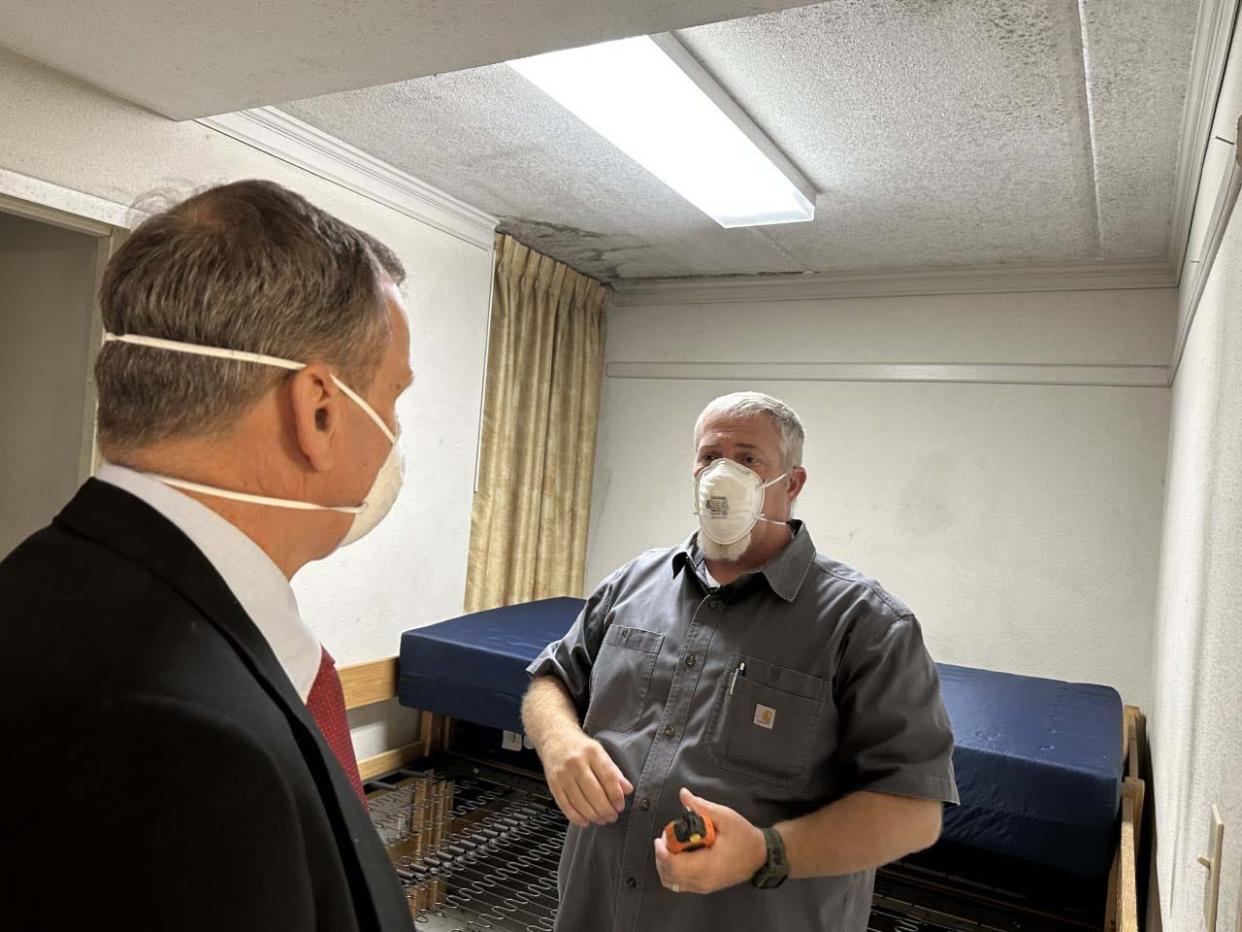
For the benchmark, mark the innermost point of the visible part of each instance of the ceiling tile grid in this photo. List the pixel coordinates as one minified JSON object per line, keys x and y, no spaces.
{"x":962,"y":133}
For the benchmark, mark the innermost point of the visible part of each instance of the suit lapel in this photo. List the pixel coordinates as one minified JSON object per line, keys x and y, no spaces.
{"x":123,"y":522}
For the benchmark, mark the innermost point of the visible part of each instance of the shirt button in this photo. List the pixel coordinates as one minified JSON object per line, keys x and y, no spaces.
{"x":631,"y":882}
{"x":669,"y":731}
{"x":714,"y":604}
{"x":644,"y":804}
{"x":690,"y":660}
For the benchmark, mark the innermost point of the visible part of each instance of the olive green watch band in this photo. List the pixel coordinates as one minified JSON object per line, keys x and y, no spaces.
{"x":775,"y":870}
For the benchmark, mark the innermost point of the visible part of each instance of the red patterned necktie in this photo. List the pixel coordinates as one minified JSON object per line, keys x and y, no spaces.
{"x":326,"y":703}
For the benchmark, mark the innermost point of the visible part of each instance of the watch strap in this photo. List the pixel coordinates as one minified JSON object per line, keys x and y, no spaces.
{"x":776,"y":869}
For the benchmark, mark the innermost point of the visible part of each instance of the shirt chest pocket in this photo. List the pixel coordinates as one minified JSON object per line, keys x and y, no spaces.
{"x":620,"y":678}
{"x":765,"y":719}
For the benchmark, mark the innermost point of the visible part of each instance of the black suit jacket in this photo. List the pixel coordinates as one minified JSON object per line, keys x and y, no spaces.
{"x":157,"y":769}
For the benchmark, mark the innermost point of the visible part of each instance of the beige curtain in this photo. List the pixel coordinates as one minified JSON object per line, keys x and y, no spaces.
{"x":540,"y":408}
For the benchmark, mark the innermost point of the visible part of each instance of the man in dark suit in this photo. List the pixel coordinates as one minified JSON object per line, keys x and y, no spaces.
{"x":175,"y":750}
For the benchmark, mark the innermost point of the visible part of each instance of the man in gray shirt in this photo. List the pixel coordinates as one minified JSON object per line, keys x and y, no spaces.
{"x":746,"y":676}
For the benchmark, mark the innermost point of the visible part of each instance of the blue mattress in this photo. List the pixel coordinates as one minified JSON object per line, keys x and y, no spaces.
{"x":1039,"y":767}
{"x":474,"y":667}
{"x":1038,"y":761}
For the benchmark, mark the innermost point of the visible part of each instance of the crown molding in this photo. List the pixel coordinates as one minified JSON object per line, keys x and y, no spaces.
{"x":298,"y":143}
{"x":822,"y":286}
{"x":1199,"y":269}
{"x":1065,"y":374}
{"x":1213,"y":38}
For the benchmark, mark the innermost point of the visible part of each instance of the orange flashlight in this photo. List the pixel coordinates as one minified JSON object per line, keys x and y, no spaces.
{"x":689,"y":832}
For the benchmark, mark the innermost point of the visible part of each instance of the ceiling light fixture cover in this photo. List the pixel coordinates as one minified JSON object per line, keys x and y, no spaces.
{"x":650,"y":98}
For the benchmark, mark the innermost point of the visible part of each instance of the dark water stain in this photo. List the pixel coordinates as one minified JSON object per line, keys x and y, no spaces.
{"x":590,"y":252}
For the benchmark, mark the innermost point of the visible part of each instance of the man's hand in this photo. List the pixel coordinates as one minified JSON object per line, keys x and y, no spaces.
{"x":586,"y":784}
{"x":738,"y":853}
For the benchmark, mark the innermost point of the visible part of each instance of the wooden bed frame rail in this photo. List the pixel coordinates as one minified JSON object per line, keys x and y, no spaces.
{"x":1122,"y":914}
{"x":368,"y":683}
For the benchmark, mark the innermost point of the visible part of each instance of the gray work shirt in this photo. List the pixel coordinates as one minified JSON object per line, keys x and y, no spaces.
{"x":837,"y":694}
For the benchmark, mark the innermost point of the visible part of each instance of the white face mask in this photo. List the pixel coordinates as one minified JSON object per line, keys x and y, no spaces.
{"x":387,"y":482}
{"x":728,"y":498}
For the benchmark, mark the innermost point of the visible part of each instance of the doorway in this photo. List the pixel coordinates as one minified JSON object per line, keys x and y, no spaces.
{"x":49,"y":334}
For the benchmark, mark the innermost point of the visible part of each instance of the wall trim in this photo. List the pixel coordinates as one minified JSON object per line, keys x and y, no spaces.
{"x":1066,"y":374}
{"x":64,"y":207}
{"x":1213,"y":38}
{"x":298,"y":143}
{"x":827,"y":286}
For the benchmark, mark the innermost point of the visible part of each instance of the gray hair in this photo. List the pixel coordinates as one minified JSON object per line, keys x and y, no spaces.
{"x":753,"y":404}
{"x":248,"y":266}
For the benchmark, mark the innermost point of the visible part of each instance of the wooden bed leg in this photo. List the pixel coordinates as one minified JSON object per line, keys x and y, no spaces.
{"x":436,"y":730}
{"x":428,"y":731}
{"x":1110,"y":907}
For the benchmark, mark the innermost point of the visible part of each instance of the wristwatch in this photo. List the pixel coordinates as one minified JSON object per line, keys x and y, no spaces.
{"x":775,"y":870}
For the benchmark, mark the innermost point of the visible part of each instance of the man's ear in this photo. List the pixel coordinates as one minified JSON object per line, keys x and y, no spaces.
{"x":315,"y":402}
{"x":797,"y":480}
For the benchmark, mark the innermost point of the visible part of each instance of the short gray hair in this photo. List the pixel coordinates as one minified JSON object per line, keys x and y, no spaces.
{"x":753,"y":404}
{"x":249,"y":266}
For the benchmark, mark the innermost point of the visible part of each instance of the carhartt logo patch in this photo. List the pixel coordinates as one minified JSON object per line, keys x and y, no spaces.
{"x":765,"y":716}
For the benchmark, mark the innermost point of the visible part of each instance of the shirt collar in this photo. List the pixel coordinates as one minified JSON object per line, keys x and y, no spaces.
{"x":255,"y":581}
{"x":784,"y":573}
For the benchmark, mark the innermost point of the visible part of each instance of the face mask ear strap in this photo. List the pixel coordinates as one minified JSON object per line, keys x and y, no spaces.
{"x":777,"y":479}
{"x":771,"y":521}
{"x":215,"y":352}
{"x":765,"y":485}
{"x":252,"y":499}
{"x":371,"y":413}
{"x":194,"y":349}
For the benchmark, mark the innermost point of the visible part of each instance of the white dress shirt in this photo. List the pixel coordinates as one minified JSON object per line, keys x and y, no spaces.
{"x":254,"y":579}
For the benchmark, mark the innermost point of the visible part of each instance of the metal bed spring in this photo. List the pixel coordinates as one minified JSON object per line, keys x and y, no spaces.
{"x":477,"y":848}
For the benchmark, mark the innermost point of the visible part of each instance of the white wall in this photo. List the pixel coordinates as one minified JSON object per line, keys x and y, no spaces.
{"x":1195,"y":723}
{"x":1020,"y":522}
{"x":412,"y":570}
{"x":46,"y":298}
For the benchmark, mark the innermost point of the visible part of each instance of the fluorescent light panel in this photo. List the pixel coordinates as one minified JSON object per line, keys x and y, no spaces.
{"x":654,"y":102}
